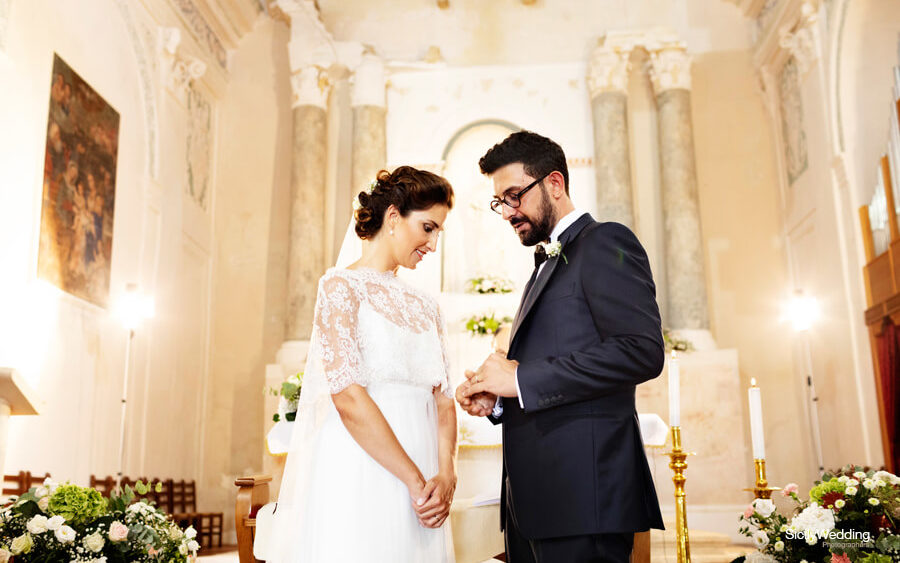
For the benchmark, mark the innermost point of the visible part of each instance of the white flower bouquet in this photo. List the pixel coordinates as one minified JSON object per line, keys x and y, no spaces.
{"x":489,"y":284}
{"x":68,"y":523}
{"x":852,"y":516}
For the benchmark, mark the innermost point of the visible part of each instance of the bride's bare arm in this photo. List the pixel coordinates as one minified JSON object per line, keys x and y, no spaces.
{"x":440,"y":488}
{"x":366,"y":423}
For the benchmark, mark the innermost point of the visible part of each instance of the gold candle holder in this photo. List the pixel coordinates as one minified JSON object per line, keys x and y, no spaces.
{"x":762,"y":488}
{"x":678,"y":464}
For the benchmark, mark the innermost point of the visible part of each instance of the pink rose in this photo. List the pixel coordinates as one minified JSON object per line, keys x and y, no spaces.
{"x":748,"y":512}
{"x":118,"y":531}
{"x":789,"y":489}
{"x":835,"y":558}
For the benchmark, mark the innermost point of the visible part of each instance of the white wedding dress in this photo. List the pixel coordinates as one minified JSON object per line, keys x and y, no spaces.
{"x":337,"y":504}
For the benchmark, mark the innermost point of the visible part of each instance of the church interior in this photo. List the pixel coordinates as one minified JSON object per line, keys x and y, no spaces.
{"x":152,"y":308}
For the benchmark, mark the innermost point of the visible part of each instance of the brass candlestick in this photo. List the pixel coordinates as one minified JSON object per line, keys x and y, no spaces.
{"x":678,"y":463}
{"x":762,"y":488}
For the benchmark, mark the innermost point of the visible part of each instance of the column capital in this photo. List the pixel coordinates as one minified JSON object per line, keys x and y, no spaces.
{"x":178,"y":69}
{"x":670,"y":67}
{"x":369,"y":82}
{"x":608,"y":70}
{"x":310,"y":87}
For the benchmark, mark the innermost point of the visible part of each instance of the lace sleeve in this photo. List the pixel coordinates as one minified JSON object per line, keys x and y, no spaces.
{"x":442,"y":334}
{"x":336,"y":321}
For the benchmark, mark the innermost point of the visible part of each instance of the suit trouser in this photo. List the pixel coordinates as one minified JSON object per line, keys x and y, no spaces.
{"x":595,"y":548}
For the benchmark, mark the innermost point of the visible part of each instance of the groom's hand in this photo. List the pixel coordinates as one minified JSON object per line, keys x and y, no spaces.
{"x":497,"y":376}
{"x":481,"y":404}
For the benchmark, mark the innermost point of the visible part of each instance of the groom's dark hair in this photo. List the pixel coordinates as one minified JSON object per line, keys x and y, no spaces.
{"x":538,"y":155}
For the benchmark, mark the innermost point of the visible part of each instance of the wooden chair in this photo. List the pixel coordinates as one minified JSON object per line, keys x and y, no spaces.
{"x":21,"y":482}
{"x":183,"y":495}
{"x":253,"y":493}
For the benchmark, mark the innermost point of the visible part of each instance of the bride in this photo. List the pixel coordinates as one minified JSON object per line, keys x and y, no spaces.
{"x":370,"y":474}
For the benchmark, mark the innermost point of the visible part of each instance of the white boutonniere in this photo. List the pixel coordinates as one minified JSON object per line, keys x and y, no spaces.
{"x":554,"y":249}
{"x":368,"y":189}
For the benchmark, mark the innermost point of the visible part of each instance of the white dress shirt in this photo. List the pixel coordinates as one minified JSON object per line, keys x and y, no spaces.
{"x":564,"y":223}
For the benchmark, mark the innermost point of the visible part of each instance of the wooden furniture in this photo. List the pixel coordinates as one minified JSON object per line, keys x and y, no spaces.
{"x":21,"y":482}
{"x":882,"y":282}
{"x":253,"y":493}
{"x":177,"y":498}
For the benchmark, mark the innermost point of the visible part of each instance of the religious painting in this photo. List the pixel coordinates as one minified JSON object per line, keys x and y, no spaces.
{"x":79,"y":188}
{"x":792,"y":128}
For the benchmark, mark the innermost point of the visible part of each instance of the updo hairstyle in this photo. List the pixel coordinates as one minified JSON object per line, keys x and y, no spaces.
{"x":406,"y":188}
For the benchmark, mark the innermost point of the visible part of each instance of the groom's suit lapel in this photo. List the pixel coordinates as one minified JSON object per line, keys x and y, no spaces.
{"x":532,"y":292}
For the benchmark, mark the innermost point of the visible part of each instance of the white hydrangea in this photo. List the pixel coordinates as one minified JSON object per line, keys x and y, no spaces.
{"x":811,"y":521}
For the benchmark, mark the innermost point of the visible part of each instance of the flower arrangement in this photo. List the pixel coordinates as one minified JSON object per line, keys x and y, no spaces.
{"x":851,"y":517}
{"x":480,"y":325}
{"x":489,"y":284}
{"x":289,"y":397}
{"x":65,"y":522}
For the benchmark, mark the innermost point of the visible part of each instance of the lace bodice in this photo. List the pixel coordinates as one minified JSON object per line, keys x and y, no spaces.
{"x":371,"y":327}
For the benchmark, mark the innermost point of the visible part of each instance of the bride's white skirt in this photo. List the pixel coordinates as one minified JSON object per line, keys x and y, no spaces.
{"x":357,"y":511}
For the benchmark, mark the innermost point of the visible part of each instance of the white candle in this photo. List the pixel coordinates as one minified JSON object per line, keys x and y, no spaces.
{"x":674,"y":392}
{"x":756,"y":422}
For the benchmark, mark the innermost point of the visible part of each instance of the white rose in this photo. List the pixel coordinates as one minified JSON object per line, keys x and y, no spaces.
{"x":193,"y":545}
{"x":190,"y":533}
{"x":764,"y":507}
{"x":860,"y":475}
{"x":4,"y":555}
{"x":65,"y":534}
{"x":760,"y":539}
{"x":779,"y":546}
{"x":182,"y":549}
{"x":94,"y":542}
{"x":37,"y":525}
{"x":21,"y":544}
{"x":55,"y":522}
{"x":851,"y":491}
{"x":41,"y":492}
{"x":44,"y":504}
{"x":869,"y":484}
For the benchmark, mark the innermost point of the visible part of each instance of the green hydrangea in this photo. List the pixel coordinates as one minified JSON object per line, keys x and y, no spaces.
{"x":76,"y":504}
{"x":819,"y":491}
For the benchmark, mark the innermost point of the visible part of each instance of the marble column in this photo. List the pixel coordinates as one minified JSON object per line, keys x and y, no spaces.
{"x":686,"y":282}
{"x":369,"y":110}
{"x":608,"y":83}
{"x":306,"y":261}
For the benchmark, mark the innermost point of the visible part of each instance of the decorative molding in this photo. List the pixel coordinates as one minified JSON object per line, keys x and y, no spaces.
{"x":199,"y":147}
{"x":793,"y":130}
{"x":148,"y":89}
{"x":202,"y":31}
{"x":670,"y":68}
{"x":369,"y":82}
{"x":802,"y":42}
{"x":178,"y":70}
{"x":608,"y":70}
{"x":310,"y":86}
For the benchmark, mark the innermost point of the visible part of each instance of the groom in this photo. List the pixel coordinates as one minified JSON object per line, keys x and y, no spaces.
{"x":576,"y":485}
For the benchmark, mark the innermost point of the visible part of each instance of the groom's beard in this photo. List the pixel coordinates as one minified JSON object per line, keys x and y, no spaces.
{"x":541,"y":227}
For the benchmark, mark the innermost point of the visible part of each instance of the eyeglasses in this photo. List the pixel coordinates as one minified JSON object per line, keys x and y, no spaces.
{"x":513,"y":200}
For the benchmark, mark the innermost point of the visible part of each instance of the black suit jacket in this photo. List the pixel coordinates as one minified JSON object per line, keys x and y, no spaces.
{"x":586,"y":333}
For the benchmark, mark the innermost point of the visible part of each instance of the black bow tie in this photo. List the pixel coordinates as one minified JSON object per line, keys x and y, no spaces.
{"x":540,"y":255}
